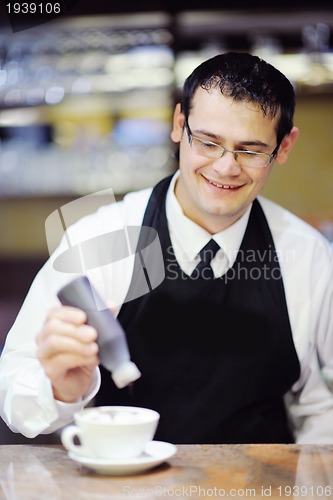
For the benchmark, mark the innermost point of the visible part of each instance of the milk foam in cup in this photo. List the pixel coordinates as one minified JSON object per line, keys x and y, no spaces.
{"x":111,"y":432}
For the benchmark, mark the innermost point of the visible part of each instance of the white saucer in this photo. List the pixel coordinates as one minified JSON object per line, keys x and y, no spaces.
{"x":156,"y":452}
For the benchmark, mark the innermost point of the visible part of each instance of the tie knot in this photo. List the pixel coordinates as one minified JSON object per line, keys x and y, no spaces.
{"x":206,"y":254}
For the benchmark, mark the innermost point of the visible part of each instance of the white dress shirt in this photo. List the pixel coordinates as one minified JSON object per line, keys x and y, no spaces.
{"x":306,"y":261}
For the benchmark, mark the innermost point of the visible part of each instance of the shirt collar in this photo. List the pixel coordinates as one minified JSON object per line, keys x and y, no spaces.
{"x":188,"y":238}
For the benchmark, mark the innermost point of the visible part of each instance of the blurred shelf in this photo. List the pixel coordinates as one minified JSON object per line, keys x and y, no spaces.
{"x":86,"y":102}
{"x":269,"y":21}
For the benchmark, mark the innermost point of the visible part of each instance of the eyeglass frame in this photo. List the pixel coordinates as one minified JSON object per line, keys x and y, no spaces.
{"x":233,"y":151}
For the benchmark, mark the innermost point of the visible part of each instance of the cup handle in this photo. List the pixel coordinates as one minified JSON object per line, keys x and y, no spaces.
{"x":67,"y":439}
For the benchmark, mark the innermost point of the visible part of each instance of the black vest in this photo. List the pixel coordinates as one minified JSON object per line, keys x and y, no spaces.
{"x":216,"y":356}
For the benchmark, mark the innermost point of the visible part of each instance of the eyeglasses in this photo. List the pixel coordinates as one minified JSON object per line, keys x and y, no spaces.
{"x":242,"y":157}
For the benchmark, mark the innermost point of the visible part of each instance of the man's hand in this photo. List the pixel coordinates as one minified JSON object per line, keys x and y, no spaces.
{"x":68,"y":352}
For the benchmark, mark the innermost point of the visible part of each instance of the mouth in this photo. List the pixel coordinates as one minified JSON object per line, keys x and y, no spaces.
{"x":231,"y":187}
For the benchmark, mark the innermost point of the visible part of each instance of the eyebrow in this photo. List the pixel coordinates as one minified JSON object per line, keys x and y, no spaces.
{"x":219,"y":139}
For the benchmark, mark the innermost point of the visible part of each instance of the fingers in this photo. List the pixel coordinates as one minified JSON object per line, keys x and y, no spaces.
{"x":66,"y":342}
{"x":67,"y":350}
{"x":67,"y":313}
{"x":68,"y":322}
{"x":73,"y":384}
{"x":60,"y":365}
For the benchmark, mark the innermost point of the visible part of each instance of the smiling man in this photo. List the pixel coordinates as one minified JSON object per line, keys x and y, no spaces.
{"x":233,"y":344}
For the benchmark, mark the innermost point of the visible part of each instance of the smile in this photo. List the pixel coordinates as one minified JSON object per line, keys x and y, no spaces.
{"x":223,"y":186}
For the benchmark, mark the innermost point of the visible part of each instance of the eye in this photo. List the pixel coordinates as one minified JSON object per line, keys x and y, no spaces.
{"x":248,"y":153}
{"x":208,"y":144}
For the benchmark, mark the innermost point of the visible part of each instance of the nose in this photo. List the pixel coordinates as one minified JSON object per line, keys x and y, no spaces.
{"x":226,"y":164}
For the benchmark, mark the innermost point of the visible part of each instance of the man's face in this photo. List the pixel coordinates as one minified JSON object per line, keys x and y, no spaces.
{"x":216,"y":192}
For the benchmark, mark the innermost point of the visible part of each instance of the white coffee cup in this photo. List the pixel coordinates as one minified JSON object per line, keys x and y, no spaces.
{"x":111,"y":432}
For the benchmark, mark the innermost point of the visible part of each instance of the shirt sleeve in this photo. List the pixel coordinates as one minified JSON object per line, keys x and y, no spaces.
{"x":27,"y":404}
{"x":310,"y":402}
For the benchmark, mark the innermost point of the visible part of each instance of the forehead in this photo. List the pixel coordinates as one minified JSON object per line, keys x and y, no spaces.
{"x":212,"y":110}
{"x":213,"y":97}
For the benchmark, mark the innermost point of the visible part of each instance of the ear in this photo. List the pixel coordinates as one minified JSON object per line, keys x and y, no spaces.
{"x":287,"y":145}
{"x":178,"y":124}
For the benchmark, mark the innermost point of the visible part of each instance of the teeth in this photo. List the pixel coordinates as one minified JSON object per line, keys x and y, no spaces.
{"x":222,"y":185}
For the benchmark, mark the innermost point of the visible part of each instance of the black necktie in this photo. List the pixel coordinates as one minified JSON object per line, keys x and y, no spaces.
{"x":206,"y":254}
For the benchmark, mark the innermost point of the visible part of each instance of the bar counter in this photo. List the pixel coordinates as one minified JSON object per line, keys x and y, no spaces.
{"x":195,"y":471}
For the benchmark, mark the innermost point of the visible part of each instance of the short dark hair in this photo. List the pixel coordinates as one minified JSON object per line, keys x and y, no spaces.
{"x":245,"y":77}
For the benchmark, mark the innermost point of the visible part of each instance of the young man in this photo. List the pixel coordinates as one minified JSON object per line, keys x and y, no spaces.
{"x":234,"y":355}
